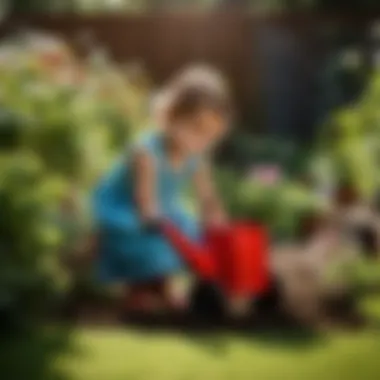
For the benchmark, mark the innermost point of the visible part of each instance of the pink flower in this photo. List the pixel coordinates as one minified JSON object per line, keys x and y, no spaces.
{"x":268,"y":174}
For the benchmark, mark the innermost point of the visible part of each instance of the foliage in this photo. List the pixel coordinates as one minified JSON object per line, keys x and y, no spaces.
{"x":350,"y":144}
{"x":366,"y":274}
{"x":281,"y":206}
{"x":247,"y":149}
{"x":61,"y":121}
{"x":105,"y":5}
{"x":347,"y":154}
{"x":22,"y":6}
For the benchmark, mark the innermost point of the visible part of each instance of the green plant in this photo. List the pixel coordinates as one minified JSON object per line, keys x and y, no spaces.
{"x":281,"y":207}
{"x":61,"y":121}
{"x":350,"y":146}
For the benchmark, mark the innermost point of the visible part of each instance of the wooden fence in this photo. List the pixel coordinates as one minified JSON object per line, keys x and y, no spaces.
{"x":166,"y":42}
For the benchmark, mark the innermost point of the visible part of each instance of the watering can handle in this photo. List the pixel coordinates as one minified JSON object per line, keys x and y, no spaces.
{"x":198,"y":258}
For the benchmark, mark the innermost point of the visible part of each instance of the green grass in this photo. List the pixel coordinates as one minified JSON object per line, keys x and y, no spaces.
{"x":117,"y":355}
{"x":128,"y":354}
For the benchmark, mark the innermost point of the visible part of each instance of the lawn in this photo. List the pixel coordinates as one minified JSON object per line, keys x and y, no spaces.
{"x":117,"y":355}
{"x":130,"y":354}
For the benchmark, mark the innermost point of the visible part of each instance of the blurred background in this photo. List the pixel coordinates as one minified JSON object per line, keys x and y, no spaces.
{"x":77,"y":79}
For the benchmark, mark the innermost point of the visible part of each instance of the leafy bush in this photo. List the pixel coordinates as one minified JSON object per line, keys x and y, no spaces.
{"x":28,"y":238}
{"x":350,"y":143}
{"x":61,"y":120}
{"x":247,"y":149}
{"x":281,"y":206}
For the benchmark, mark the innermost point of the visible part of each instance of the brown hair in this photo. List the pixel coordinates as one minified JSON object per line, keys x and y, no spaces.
{"x":195,"y":89}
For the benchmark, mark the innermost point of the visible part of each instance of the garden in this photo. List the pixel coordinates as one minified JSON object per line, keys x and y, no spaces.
{"x":63,"y":118}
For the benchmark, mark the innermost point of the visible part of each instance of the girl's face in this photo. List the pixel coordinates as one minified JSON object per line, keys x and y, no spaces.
{"x":200,"y":132}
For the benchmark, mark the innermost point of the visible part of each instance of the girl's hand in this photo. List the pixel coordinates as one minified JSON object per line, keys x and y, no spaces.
{"x":216,"y":219}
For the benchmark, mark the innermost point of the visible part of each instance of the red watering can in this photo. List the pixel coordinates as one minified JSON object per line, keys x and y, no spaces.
{"x":234,"y":257}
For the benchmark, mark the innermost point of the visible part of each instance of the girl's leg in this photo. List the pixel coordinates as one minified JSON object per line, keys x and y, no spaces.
{"x":153,"y":296}
{"x":141,"y":298}
{"x":166,"y":294}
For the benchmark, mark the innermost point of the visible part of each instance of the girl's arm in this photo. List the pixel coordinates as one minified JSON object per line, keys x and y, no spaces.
{"x":212,"y":210}
{"x":145,"y":186}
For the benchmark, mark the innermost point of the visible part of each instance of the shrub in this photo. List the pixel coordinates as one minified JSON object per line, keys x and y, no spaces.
{"x":61,"y":120}
{"x":281,"y":206}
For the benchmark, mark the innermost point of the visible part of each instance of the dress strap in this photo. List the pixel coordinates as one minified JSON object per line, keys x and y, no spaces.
{"x":149,"y":143}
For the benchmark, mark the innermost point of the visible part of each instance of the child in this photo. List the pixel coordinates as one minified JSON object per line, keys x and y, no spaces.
{"x":147,"y":183}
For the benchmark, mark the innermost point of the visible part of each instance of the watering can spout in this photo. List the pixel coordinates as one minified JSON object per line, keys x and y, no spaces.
{"x":198,"y":258}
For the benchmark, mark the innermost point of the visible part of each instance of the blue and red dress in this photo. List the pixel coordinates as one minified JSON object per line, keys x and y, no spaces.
{"x":127,"y":251}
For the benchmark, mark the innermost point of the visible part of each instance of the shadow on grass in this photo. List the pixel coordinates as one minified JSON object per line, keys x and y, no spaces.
{"x":34,"y":355}
{"x":215,"y":337}
{"x":218,"y":343}
{"x":292,"y":339}
{"x":371,"y":308}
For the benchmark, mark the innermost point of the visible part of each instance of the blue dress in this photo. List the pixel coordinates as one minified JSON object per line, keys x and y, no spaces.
{"x":127,"y":251}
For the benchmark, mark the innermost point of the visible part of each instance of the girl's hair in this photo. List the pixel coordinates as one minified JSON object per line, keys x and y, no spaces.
{"x":194,"y":89}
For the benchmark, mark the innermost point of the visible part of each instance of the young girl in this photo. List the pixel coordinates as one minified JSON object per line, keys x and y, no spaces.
{"x":148,"y":182}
